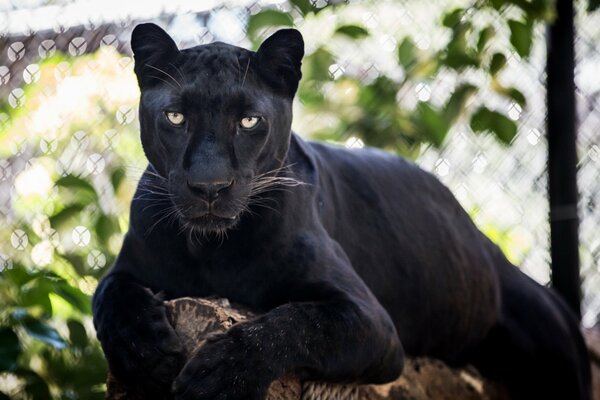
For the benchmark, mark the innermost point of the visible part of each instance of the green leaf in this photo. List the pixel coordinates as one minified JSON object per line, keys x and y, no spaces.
{"x":74,"y":296}
{"x":379,"y":95}
{"x":433,"y":125}
{"x":77,"y":333}
{"x":457,"y":102}
{"x":521,"y":37}
{"x":517,"y":96}
{"x":534,"y":10}
{"x":486,"y":120}
{"x":424,"y":69}
{"x":458,"y":54}
{"x":304,"y":6}
{"x":593,"y":5}
{"x":316,"y":65}
{"x":106,"y":226}
{"x":268,"y":18}
{"x":74,"y":182}
{"x":452,"y":18}
{"x":407,"y":53}
{"x":459,"y":60}
{"x":35,"y":387}
{"x":498,"y":4}
{"x":116,"y":177}
{"x":484,"y":37}
{"x":352,"y":31}
{"x":497,"y":63}
{"x":63,"y":216}
{"x":10,"y":349}
{"x":310,"y":93}
{"x":77,"y":262}
{"x":39,"y":330}
{"x":19,"y":276}
{"x":512,"y":93}
{"x":35,"y":295}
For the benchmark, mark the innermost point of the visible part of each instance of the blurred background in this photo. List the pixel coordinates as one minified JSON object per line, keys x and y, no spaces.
{"x":457,"y":86}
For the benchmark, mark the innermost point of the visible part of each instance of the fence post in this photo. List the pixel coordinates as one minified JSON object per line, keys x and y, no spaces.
{"x":562,"y":157}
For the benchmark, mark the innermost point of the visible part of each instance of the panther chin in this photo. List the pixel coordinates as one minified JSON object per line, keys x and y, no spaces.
{"x":212,"y":223}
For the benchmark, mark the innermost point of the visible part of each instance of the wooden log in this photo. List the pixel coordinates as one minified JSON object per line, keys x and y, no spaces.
{"x":422,"y":379}
{"x":592,"y":339}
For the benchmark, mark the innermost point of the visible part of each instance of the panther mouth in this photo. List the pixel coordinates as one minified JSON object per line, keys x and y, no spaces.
{"x":212,"y":222}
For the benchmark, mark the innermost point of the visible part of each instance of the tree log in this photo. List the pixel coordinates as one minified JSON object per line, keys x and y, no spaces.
{"x":422,"y":379}
{"x":592,"y":339}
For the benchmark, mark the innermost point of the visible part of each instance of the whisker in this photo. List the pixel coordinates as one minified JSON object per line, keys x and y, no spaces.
{"x":275,"y":170}
{"x":261,"y":205}
{"x":166,"y":73}
{"x":154,"y":184}
{"x":154,"y":189}
{"x":153,"y":175}
{"x":141,"y":169}
{"x":270,"y":181}
{"x":147,"y":194}
{"x":244,"y":208}
{"x":197,"y":235}
{"x":172,"y":210}
{"x":239,"y":69}
{"x":178,"y":71}
{"x":246,"y":72}
{"x":161,"y":79}
{"x":161,"y":201}
{"x":272,"y":186}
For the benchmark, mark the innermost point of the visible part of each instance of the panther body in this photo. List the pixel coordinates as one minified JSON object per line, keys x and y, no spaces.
{"x":354,"y":257}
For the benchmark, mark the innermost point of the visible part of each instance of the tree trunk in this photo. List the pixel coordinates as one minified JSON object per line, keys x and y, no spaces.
{"x":422,"y":379}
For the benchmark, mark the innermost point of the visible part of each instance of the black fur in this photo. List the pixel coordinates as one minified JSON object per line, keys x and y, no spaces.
{"x":356,"y":257}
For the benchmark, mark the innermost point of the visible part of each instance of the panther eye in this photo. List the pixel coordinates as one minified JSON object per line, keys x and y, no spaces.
{"x":175,"y":118}
{"x":249,"y":122}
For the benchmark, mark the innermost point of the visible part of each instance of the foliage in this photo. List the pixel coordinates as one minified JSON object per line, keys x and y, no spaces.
{"x":374,"y":107}
{"x":67,"y":216}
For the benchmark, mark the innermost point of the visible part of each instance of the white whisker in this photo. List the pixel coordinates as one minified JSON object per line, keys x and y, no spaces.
{"x":167,"y":74}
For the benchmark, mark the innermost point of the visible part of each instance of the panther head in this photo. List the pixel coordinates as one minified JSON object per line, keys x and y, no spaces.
{"x":215,"y":119}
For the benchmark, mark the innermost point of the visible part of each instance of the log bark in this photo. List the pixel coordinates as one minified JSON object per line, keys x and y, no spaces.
{"x":592,"y":339}
{"x":422,"y":379}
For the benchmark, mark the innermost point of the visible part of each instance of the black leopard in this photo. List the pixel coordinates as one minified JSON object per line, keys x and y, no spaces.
{"x":354,"y":258}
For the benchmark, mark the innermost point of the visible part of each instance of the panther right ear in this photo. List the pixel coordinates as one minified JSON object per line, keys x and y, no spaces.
{"x":279,"y":60}
{"x":153,"y":50}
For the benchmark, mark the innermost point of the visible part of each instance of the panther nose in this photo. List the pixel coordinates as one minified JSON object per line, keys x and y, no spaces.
{"x":209,"y":190}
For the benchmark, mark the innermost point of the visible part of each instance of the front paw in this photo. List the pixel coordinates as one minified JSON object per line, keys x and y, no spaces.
{"x":145,"y":354}
{"x":225,"y":368}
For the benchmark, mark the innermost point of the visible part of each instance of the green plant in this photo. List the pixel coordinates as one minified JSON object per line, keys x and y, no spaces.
{"x":67,"y":216}
{"x":372,"y":107}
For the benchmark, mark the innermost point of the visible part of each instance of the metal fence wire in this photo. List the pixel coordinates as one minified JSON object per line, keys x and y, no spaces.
{"x":70,"y":153}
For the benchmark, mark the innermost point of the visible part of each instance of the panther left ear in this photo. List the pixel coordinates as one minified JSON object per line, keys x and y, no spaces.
{"x":279,"y":60}
{"x":153,"y":50}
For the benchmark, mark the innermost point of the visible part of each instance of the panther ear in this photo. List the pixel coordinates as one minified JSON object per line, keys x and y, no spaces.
{"x":279,"y":59}
{"x":153,"y":50}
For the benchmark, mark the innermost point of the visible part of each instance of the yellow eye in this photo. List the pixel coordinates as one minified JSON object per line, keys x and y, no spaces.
{"x":249,"y":122}
{"x":175,"y":118}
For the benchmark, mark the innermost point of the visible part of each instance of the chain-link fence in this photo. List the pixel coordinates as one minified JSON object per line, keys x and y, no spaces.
{"x":505,"y":188}
{"x":70,"y":153}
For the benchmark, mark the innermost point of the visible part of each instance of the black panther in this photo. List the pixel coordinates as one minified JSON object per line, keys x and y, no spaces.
{"x":354,"y":258}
